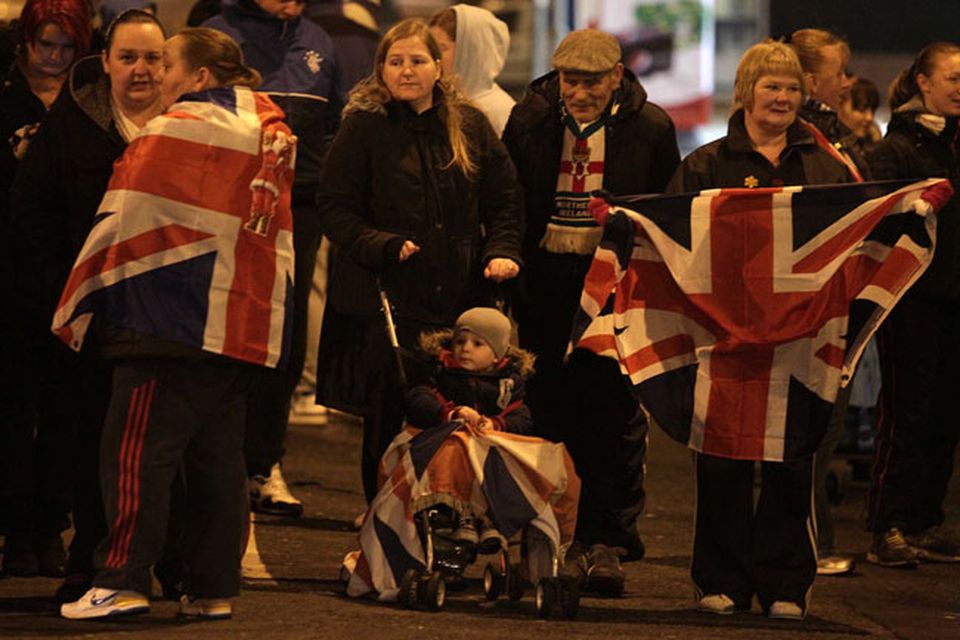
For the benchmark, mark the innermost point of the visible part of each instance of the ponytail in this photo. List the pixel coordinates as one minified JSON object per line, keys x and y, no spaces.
{"x":905,"y":86}
{"x":203,"y":47}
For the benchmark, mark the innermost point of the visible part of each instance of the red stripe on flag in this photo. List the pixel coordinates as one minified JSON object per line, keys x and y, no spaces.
{"x":736,"y":419}
{"x":160,"y":239}
{"x":598,"y":343}
{"x":831,"y":354}
{"x":199,"y":175}
{"x":840,"y":243}
{"x":254,"y":268}
{"x":678,"y":345}
{"x":897,"y":269}
{"x":600,"y":280}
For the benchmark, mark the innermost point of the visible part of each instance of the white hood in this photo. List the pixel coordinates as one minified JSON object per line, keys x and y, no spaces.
{"x":482,"y":44}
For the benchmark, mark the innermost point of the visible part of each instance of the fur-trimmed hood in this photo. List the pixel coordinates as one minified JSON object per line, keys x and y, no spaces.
{"x":434,"y":343}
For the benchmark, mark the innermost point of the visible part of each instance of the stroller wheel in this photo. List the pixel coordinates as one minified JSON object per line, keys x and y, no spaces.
{"x":547,"y":596}
{"x":435,"y":592}
{"x":407,"y":597}
{"x":492,"y":582}
{"x":569,"y":596}
{"x":514,"y":583}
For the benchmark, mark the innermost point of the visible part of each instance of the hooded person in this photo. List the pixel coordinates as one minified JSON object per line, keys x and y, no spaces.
{"x":474,"y":44}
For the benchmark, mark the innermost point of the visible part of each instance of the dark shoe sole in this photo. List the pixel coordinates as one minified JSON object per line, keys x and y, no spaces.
{"x":604,"y":584}
{"x":292,"y":511}
{"x":932,"y":556}
{"x":891,"y":564}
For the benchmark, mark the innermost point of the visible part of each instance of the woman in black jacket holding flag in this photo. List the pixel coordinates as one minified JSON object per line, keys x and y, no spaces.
{"x":771,"y":552}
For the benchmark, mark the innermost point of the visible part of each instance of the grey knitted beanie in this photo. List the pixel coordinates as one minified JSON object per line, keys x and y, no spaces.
{"x":489,"y":324}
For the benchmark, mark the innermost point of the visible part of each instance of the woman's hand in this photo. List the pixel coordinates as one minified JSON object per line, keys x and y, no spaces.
{"x":408,"y":249}
{"x":500,"y":269}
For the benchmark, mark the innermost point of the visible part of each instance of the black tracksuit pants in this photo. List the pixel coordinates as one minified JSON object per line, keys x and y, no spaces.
{"x":918,"y":432}
{"x":163,"y":413}
{"x":739,"y":551}
{"x":268,"y":408}
{"x":586,"y":403}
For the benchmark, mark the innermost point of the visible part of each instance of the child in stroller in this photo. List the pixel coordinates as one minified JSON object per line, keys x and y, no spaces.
{"x":462,"y":477}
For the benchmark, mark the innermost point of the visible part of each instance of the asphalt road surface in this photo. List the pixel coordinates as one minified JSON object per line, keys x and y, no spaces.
{"x":292,"y":591}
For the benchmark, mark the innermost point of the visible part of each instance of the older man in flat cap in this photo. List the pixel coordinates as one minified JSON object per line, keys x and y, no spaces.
{"x":586,"y":125}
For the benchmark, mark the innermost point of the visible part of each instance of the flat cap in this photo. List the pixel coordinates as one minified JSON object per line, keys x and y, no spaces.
{"x":588,"y":51}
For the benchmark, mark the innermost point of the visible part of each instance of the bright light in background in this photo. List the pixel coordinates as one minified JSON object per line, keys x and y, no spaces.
{"x":668,"y":44}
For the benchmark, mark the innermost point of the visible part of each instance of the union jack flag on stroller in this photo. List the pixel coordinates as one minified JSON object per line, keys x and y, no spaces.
{"x":517,"y":480}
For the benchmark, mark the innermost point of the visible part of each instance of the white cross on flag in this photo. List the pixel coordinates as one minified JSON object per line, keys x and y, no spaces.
{"x":738,"y":313}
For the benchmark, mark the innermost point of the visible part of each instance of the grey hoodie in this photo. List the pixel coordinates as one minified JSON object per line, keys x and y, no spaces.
{"x":482,"y":44}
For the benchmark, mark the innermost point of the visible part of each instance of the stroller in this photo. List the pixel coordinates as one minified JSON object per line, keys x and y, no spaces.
{"x":538,"y":565}
{"x":524,"y":486}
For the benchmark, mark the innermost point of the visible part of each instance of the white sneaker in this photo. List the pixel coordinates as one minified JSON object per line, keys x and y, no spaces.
{"x":834,"y":565}
{"x":718,"y":603}
{"x":272,"y":496}
{"x":100,"y":603}
{"x":305,"y":410}
{"x":207,"y":608}
{"x":783,"y":610}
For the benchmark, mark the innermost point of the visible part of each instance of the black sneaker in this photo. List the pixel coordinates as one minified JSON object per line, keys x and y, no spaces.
{"x":20,"y":556}
{"x":466,"y":531}
{"x":51,"y":556}
{"x":575,"y":564}
{"x":890,"y":549}
{"x":604,"y":572}
{"x":935,"y":544}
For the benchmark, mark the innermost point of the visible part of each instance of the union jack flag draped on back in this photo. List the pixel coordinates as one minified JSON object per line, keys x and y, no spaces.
{"x":738,"y":313}
{"x":193,"y":240}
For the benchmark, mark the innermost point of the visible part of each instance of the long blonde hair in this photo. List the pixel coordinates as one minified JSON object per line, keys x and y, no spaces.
{"x":371,"y":93}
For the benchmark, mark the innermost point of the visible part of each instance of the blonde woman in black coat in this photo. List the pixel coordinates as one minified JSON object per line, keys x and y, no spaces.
{"x":420,"y":195}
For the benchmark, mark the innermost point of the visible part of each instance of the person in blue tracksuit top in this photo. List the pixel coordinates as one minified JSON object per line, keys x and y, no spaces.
{"x":300,"y":73}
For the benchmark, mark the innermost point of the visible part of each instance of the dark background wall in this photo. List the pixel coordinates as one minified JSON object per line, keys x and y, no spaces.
{"x":871,"y":25}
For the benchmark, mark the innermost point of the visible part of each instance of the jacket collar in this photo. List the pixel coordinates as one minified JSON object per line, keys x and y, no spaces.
{"x":738,"y":139}
{"x":90,"y":89}
{"x":914,"y":115}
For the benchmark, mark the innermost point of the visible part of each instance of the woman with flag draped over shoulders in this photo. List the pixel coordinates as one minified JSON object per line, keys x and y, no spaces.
{"x":186,"y":277}
{"x":420,"y":195}
{"x":769,"y":551}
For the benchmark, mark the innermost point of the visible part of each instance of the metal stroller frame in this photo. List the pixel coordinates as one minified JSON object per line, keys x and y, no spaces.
{"x":539,"y":565}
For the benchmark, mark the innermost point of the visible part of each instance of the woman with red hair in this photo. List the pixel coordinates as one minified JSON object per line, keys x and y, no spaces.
{"x":52,"y":34}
